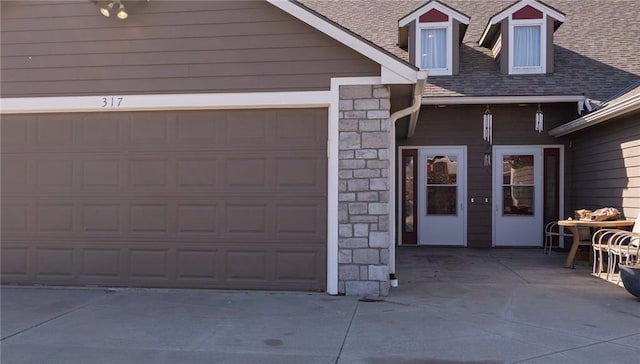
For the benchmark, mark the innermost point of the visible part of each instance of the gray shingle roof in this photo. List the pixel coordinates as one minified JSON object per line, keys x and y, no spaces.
{"x":597,"y":51}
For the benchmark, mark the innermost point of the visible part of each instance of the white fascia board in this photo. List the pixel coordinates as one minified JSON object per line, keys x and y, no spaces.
{"x":597,"y":117}
{"x":479,"y":100}
{"x":519,"y":5}
{"x":433,"y":5}
{"x":384,"y":59}
{"x":107,"y":103}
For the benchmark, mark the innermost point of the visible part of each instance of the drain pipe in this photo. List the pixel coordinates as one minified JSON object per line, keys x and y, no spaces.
{"x":412,"y":110}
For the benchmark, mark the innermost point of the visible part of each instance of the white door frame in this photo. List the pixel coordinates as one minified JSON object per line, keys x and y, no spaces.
{"x":463,"y":192}
{"x":497,"y":203}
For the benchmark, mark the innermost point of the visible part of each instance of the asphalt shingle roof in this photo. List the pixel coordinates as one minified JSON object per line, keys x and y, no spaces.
{"x":597,"y":49}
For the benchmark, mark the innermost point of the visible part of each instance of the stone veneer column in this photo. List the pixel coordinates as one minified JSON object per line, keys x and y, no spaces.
{"x":363,"y":195}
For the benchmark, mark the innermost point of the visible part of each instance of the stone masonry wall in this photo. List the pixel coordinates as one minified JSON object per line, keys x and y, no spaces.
{"x":363,"y":240}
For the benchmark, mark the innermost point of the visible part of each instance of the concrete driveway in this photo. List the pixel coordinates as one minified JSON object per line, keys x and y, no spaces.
{"x":452,"y":306}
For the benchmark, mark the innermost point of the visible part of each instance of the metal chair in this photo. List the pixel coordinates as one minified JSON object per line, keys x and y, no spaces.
{"x":553,"y":229}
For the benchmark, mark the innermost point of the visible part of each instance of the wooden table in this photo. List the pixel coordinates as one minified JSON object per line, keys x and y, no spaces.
{"x":573,"y":226}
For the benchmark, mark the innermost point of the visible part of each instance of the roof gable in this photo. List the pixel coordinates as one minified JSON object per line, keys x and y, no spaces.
{"x":431,"y":11}
{"x":522,"y":9}
{"x":433,"y":5}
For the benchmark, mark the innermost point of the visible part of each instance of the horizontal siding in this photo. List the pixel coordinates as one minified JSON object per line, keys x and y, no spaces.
{"x":68,"y":48}
{"x":463,"y":126}
{"x":606,"y":166}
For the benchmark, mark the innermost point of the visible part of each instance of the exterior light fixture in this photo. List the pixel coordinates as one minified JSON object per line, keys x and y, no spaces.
{"x":539,"y":120}
{"x":122,"y":14}
{"x":487,"y":126}
{"x":106,"y":10}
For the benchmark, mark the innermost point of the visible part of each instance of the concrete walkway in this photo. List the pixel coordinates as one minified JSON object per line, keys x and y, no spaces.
{"x":452,"y":306}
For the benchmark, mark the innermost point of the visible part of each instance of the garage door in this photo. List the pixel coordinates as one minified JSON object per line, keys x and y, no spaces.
{"x":217,"y":199}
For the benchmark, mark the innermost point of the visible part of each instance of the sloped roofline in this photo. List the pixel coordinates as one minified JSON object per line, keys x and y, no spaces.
{"x":499,"y":16}
{"x":394,"y":69}
{"x":627,"y":102}
{"x":434,"y":4}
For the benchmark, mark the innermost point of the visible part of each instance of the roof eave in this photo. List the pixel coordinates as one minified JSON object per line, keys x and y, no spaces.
{"x":607,"y":113}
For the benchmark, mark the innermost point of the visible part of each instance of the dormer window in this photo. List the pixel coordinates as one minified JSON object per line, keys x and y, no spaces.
{"x":432,"y":34}
{"x":527,"y":29}
{"x":527,"y":35}
{"x":434,"y":45}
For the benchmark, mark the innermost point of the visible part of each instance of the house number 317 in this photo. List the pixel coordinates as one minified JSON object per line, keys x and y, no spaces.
{"x":111,"y":101}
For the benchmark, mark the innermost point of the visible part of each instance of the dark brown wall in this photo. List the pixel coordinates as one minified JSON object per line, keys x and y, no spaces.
{"x":69,"y":48}
{"x":455,"y":61}
{"x":550,"y":58}
{"x":462,"y":125}
{"x":504,"y":51}
{"x":606,"y":166}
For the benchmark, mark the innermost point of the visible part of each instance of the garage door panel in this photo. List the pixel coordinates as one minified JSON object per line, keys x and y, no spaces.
{"x":299,"y":172}
{"x":148,"y":218}
{"x":298,"y":265}
{"x":102,"y":263}
{"x":56,"y":130}
{"x":101,"y":173}
{"x":14,"y":132}
{"x":216,"y":199}
{"x":196,"y":218}
{"x":298,"y":218}
{"x":197,"y":171}
{"x":15,"y":176}
{"x":149,"y":129}
{"x":55,"y":262}
{"x":194,"y":130}
{"x":148,"y":172}
{"x":250,"y":128}
{"x":14,"y":262}
{"x":197,"y":264}
{"x":54,"y":173}
{"x":101,"y":130}
{"x":102,"y":217}
{"x":15,"y":216}
{"x":249,"y":171}
{"x":55,"y":217}
{"x":291,"y":129}
{"x":149,"y":263}
{"x":250,"y":265}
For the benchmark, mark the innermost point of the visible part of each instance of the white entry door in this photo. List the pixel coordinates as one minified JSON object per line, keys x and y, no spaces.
{"x":518,"y":204}
{"x":442,"y":196}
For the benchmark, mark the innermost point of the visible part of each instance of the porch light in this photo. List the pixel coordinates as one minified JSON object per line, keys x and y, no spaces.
{"x":122,"y":14}
{"x":108,"y":9}
{"x":487,"y":126}
{"x":539,"y":120}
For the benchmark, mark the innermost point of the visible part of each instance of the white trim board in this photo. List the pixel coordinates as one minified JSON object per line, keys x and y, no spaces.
{"x":110,"y":103}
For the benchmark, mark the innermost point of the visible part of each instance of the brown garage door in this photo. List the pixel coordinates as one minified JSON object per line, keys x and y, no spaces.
{"x":221,"y":199}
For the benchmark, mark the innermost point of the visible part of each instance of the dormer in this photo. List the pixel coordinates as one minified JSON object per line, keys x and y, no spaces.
{"x":521,"y":37}
{"x":432,"y":35}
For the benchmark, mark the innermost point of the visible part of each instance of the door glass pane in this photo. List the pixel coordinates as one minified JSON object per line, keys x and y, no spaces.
{"x":518,"y":188}
{"x":409,"y":198}
{"x":442,"y":187}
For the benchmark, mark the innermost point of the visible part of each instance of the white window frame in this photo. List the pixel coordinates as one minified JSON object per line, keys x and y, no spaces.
{"x":542,"y":23}
{"x":448,"y":26}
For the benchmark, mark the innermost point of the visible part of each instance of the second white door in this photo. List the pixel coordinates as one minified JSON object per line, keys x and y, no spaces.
{"x":442,"y":196}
